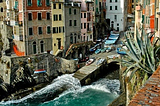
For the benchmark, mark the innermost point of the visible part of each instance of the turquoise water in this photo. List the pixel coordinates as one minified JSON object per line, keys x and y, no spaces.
{"x":99,"y":93}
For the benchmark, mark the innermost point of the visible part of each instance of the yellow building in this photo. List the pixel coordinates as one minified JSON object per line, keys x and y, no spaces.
{"x":58,"y":22}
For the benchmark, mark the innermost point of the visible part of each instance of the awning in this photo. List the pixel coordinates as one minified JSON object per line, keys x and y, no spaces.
{"x":152,"y":22}
{"x":17,"y":52}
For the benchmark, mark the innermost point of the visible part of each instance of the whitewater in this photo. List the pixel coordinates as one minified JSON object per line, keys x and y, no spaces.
{"x":99,"y":93}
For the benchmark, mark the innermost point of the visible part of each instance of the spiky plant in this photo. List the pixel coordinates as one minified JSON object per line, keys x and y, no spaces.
{"x":141,"y":53}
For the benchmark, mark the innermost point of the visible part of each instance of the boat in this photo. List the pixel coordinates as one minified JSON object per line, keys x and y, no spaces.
{"x":120,"y":51}
{"x":113,"y":37}
{"x":97,"y":51}
{"x":90,"y":61}
{"x":40,"y":71}
{"x":100,"y":61}
{"x":103,"y":50}
{"x":109,"y":48}
{"x":110,"y":41}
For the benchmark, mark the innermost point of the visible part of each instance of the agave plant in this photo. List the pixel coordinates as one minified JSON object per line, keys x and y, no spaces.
{"x":142,"y":53}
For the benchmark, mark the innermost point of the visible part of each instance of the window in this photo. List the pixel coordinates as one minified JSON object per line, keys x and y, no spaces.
{"x":115,"y":7}
{"x":16,"y":5}
{"x":34,"y":48}
{"x":29,"y":16}
{"x":55,"y":17}
{"x":60,"y":6}
{"x":39,"y":2}
{"x":70,"y":22}
{"x":48,"y":16}
{"x":115,"y":17}
{"x":110,"y":0}
{"x":39,"y":16}
{"x":29,"y":3}
{"x":115,"y":0}
{"x":60,"y":17}
{"x":59,"y":29}
{"x":74,"y":11}
{"x":55,"y":29}
{"x":84,"y":15}
{"x":117,"y":24}
{"x":75,"y":39}
{"x":110,"y":7}
{"x":71,"y":39}
{"x":75,"y":22}
{"x":42,"y":46}
{"x":54,"y":6}
{"x":117,"y":28}
{"x":70,"y":12}
{"x":84,"y":25}
{"x":39,"y":30}
{"x":48,"y":29}
{"x":78,"y":36}
{"x":81,"y":25}
{"x":63,"y":29}
{"x":81,"y":15}
{"x":90,"y":36}
{"x":30,"y":31}
{"x":1,"y":9}
{"x":47,"y":3}
{"x":59,"y":43}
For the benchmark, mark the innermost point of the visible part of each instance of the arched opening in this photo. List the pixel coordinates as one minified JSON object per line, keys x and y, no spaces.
{"x":112,"y":24}
{"x":42,"y":46}
{"x":34,"y":48}
{"x":108,"y":21}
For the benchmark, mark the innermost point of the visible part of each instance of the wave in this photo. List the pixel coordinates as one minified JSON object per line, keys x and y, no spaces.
{"x":64,"y":85}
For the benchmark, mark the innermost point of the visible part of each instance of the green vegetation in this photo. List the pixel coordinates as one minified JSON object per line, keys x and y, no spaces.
{"x":141,"y":54}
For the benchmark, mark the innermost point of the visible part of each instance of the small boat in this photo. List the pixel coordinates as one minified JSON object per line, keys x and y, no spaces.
{"x":103,"y":50}
{"x":40,"y":71}
{"x":90,"y":61}
{"x":120,"y":51}
{"x":92,"y":49}
{"x":109,"y":48}
{"x":97,"y":51}
{"x":100,"y":61}
{"x":110,"y":41}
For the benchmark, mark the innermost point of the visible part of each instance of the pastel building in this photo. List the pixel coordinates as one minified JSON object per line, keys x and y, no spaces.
{"x":117,"y":14}
{"x":87,"y":20}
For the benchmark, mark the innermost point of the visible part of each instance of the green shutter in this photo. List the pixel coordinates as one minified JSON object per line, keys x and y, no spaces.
{"x":16,"y":4}
{"x":47,"y":3}
{"x":29,"y":3}
{"x":39,"y":3}
{"x":142,"y":18}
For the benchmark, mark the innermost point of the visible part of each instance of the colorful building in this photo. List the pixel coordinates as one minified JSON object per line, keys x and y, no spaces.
{"x":117,"y":14}
{"x":32,"y":27}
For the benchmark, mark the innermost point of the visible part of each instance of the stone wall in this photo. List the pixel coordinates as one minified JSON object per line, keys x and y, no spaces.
{"x":12,"y":67}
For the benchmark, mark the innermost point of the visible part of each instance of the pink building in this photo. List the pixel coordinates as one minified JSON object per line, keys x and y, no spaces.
{"x":87,"y":20}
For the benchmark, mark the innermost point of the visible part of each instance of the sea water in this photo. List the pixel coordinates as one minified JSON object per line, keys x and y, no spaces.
{"x":99,"y":93}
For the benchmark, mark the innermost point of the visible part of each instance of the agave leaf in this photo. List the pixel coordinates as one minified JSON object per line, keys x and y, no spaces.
{"x":133,"y":72}
{"x":128,"y":69}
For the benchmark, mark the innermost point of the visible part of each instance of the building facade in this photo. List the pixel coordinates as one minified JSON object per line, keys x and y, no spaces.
{"x":117,"y":14}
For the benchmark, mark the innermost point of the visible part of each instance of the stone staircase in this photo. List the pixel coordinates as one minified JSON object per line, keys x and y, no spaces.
{"x":79,"y":75}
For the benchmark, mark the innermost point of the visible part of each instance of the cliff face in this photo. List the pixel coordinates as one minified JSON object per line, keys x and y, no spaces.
{"x":22,"y":72}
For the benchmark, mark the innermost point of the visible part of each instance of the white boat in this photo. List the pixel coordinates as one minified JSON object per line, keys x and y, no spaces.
{"x":90,"y":61}
{"x":100,"y":61}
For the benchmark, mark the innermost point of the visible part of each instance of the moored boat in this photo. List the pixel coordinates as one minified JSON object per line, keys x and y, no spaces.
{"x":100,"y":61}
{"x":40,"y":71}
{"x":90,"y":61}
{"x":97,"y":51}
{"x":120,"y":51}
